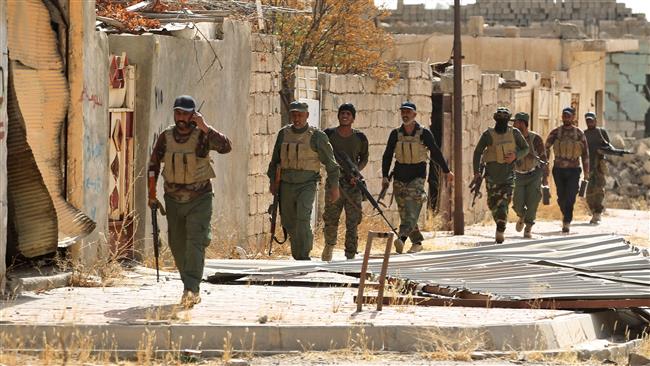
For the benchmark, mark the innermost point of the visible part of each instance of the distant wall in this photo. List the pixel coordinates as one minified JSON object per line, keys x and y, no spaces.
{"x":170,"y":66}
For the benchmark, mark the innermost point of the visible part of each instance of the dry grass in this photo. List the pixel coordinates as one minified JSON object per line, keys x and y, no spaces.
{"x":435,"y":344}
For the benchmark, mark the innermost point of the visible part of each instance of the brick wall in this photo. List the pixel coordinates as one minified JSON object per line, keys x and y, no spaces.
{"x":265,"y":120}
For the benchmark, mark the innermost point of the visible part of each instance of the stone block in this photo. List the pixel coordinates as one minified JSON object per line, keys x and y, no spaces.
{"x":470,"y":87}
{"x":420,"y":86}
{"x":471,"y":72}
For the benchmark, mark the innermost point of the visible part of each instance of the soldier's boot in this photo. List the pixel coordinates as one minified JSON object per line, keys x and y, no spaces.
{"x":499,"y":237}
{"x":527,"y":230}
{"x":190,"y":299}
{"x":520,"y":224}
{"x":399,"y":244}
{"x":595,"y":219}
{"x":326,"y":256}
{"x":565,"y":227}
{"x":350,"y":255}
{"x":417,"y":247}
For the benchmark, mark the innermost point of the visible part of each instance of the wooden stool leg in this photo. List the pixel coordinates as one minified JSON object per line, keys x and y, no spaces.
{"x":384,"y":270}
{"x":364,"y":270}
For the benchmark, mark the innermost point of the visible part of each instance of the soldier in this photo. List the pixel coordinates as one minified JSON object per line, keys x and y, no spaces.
{"x":597,"y":137}
{"x":499,"y":146}
{"x":530,"y":173}
{"x":299,"y":150}
{"x":184,"y":150}
{"x":410,"y":144}
{"x":354,"y":143}
{"x":569,"y":146}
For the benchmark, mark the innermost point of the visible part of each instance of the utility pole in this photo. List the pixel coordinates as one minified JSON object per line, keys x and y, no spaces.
{"x":459,"y":216}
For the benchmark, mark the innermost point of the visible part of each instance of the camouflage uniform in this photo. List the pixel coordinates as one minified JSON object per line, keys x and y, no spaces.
{"x":356,"y":147}
{"x":499,"y":174}
{"x":411,"y":152}
{"x":299,"y":152}
{"x":596,"y":138}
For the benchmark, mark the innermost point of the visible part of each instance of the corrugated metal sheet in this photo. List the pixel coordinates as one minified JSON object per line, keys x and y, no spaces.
{"x":39,"y":106}
{"x":571,"y":267}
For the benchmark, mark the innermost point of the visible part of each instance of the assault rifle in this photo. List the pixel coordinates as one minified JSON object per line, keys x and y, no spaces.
{"x":475,"y":184}
{"x":351,"y":170}
{"x":273,"y":211}
{"x":608,"y":149}
{"x":156,"y":236}
{"x":382,"y":194}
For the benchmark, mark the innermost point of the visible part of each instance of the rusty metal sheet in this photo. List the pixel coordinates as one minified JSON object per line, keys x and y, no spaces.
{"x":39,"y":106}
{"x":586,"y":267}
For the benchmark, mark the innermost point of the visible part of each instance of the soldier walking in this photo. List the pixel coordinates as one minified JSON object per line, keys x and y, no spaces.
{"x":531,"y":172}
{"x":354,"y":143}
{"x":499,"y":146}
{"x":410,"y":144}
{"x":569,"y":147}
{"x":597,"y":137}
{"x":184,"y":150}
{"x":299,"y":151}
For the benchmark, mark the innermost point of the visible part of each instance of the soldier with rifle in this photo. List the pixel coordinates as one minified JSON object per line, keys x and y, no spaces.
{"x":299,"y":151}
{"x":499,"y":147}
{"x":184,"y":151}
{"x":354,"y":144}
{"x":410,"y":145}
{"x":531,"y":172}
{"x":599,"y":146}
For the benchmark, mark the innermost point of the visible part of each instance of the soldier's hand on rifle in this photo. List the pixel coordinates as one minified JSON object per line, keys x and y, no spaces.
{"x":352,"y":181}
{"x":477,"y":176}
{"x":385,"y":182}
{"x":334,"y":194}
{"x":154,"y":203}
{"x":545,"y":181}
{"x":509,"y":157}
{"x":272,"y":188}
{"x":450,"y":177}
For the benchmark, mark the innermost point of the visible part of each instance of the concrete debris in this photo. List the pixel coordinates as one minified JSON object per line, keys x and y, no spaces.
{"x":629,"y":175}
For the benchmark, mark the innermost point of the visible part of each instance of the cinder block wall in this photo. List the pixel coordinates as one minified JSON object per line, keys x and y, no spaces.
{"x":264,"y":119}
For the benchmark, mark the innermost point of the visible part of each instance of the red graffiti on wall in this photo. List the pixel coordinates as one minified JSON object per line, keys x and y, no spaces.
{"x":94,"y":99}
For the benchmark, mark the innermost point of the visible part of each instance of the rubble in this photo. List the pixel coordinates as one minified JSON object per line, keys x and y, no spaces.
{"x":629,"y":175}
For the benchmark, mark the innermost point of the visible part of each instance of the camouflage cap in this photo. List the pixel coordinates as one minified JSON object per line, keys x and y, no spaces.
{"x":298,"y":107}
{"x":522,"y":116}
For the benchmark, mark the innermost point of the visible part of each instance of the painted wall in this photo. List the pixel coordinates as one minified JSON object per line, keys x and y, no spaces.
{"x":3,"y":142}
{"x":88,"y":125}
{"x":168,"y":67}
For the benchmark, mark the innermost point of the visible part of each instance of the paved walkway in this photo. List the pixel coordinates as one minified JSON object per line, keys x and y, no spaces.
{"x":324,"y":318}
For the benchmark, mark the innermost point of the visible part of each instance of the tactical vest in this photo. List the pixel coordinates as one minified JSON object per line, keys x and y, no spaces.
{"x":568,"y":144}
{"x":182,"y":165}
{"x":296,"y":152}
{"x":410,"y":149}
{"x":529,"y":162}
{"x":502,"y":143}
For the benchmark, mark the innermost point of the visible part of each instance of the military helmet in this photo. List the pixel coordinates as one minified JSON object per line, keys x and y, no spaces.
{"x":502,"y":113}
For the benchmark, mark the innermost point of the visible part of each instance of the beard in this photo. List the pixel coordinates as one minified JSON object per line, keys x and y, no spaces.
{"x":501,"y":126}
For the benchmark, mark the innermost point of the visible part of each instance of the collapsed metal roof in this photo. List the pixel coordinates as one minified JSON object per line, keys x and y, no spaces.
{"x":587,"y":267}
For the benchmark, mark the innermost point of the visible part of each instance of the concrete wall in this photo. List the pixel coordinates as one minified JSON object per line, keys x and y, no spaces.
{"x":168,"y":67}
{"x":265,"y":119}
{"x":491,"y":53}
{"x":88,"y":125}
{"x":626,"y":99}
{"x":3,"y":142}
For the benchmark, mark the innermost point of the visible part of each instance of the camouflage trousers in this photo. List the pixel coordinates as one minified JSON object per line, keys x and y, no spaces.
{"x":596,"y":187}
{"x":498,"y":200}
{"x":410,"y":197}
{"x":350,"y":200}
